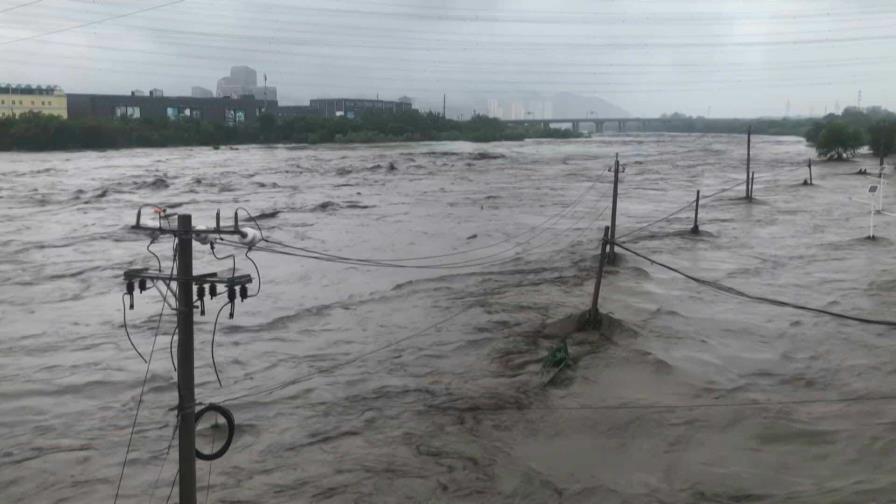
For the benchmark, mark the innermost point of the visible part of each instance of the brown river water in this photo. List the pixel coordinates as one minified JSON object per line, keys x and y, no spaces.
{"x":359,"y":383}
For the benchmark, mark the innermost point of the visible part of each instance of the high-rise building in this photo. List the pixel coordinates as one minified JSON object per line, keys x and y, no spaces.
{"x":244,"y":76}
{"x":494,"y":108}
{"x":201,"y":92}
{"x":243,"y":81}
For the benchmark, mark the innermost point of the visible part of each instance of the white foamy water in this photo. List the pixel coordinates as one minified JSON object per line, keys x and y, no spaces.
{"x":456,"y":413}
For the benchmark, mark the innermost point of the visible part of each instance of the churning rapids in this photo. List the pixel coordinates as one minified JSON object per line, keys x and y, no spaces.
{"x":457,"y":410}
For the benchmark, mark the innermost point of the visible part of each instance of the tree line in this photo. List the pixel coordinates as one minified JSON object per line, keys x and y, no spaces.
{"x":841,"y":136}
{"x":35,"y":131}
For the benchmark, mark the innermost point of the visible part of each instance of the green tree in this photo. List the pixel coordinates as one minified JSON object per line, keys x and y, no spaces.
{"x":882,"y":137}
{"x":267,"y":125}
{"x":839,"y":140}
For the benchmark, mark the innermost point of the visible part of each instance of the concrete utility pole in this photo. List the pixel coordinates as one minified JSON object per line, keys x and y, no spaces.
{"x":186,"y":279}
{"x":185,"y":379}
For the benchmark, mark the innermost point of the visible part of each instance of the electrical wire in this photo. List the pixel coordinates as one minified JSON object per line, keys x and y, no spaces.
{"x":173,"y":481}
{"x":142,"y":389}
{"x":685,"y":207}
{"x":232,"y":257}
{"x":214,"y":331}
{"x":739,"y":293}
{"x":329,"y":369}
{"x":171,"y":349}
{"x":480,"y":261}
{"x":208,"y":481}
{"x":562,"y":211}
{"x":257,"y":272}
{"x":165,"y":459}
{"x":678,"y":211}
{"x":90,"y":23}
{"x":679,"y":406}
{"x":124,"y":315}
{"x":158,"y":260}
{"x":19,"y":6}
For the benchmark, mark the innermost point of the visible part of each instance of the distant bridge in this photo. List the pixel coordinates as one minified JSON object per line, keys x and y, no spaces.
{"x":600,"y":123}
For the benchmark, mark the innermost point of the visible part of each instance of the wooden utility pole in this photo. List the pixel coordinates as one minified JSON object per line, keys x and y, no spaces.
{"x":185,"y":380}
{"x":810,"y":171}
{"x":594,"y":314}
{"x":444,"y":101}
{"x":612,"y":256}
{"x":749,"y":135}
{"x":695,"y":229}
{"x":752,"y":179}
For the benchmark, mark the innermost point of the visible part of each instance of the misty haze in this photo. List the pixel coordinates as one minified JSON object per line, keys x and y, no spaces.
{"x":365,"y":251}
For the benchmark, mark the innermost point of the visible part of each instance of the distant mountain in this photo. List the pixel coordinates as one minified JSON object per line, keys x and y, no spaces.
{"x":573,"y":105}
{"x":523,"y":104}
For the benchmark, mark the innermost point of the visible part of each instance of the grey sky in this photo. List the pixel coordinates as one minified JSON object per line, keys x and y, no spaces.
{"x":724,"y":58}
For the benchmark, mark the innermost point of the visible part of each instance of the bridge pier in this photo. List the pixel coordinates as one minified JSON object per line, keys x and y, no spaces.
{"x":575,"y":126}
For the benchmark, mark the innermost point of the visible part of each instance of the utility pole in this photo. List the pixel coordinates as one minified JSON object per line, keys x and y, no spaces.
{"x":747,"y":183}
{"x":612,"y":256}
{"x":185,"y":279}
{"x":187,"y":400}
{"x":444,"y":99}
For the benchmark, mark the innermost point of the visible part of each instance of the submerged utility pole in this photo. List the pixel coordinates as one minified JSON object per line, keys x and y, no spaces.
{"x":695,"y":229}
{"x":185,"y":379}
{"x":185,"y":280}
{"x":747,"y":182}
{"x":612,"y":256}
{"x":594,"y":313}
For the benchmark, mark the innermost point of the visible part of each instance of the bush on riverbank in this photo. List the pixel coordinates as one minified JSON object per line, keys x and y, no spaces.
{"x":35,"y":131}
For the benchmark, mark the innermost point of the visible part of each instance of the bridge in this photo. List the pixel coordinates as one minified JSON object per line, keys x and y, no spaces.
{"x":600,"y":123}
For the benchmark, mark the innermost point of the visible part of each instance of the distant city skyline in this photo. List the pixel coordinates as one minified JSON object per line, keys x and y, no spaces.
{"x":733,"y":58}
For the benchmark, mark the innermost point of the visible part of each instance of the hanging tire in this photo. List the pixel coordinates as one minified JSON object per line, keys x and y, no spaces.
{"x":231,"y":429}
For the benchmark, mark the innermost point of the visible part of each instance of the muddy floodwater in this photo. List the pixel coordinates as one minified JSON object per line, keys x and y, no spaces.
{"x":362,"y":383}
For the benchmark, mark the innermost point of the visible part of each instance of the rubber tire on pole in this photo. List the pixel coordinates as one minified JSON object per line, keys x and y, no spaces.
{"x":231,"y":429}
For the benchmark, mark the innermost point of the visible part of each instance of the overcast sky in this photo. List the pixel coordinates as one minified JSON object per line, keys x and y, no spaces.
{"x":708,"y":57}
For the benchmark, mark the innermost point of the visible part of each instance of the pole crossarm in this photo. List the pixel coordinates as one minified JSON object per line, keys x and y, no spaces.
{"x":218,"y":277}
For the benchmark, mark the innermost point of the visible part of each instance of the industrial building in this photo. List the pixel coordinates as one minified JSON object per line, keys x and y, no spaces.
{"x":17,"y":99}
{"x":287,"y":111}
{"x":228,"y":111}
{"x":353,"y":107}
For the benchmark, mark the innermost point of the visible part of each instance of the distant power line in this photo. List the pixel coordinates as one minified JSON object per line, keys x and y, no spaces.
{"x":90,"y":23}
{"x":14,"y":7}
{"x":400,"y":85}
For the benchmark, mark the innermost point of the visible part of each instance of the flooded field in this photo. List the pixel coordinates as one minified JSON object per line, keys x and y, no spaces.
{"x":357,"y":383}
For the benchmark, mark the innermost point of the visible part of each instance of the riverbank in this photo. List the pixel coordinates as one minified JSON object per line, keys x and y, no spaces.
{"x":37,"y":132}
